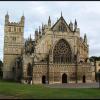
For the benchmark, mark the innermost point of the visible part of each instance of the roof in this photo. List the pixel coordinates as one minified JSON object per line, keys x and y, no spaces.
{"x":62,"y":19}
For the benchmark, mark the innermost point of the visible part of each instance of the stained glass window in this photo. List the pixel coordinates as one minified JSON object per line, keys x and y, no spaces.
{"x":62,"y":52}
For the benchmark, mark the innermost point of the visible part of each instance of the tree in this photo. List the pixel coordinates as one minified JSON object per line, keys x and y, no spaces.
{"x":1,"y":67}
{"x":94,"y":58}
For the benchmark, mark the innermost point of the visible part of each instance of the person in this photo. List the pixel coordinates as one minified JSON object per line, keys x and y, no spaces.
{"x":31,"y":82}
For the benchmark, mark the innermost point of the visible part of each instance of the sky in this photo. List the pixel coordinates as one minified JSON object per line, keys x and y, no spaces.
{"x":87,"y":14}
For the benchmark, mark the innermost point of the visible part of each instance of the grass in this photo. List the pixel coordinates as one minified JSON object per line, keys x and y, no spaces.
{"x":26,"y":91}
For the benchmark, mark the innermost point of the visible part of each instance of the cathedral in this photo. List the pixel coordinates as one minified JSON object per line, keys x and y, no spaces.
{"x":57,"y":54}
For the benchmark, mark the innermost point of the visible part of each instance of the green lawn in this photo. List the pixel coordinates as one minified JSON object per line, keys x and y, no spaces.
{"x":41,"y":92}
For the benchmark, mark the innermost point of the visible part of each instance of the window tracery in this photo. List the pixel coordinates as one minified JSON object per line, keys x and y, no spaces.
{"x":62,"y":52}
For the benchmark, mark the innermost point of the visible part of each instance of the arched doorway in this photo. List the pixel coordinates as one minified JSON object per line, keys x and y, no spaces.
{"x":84,"y":78}
{"x":64,"y":78}
{"x":29,"y":72}
{"x":43,"y":79}
{"x":62,"y":52}
{"x":29,"y":69}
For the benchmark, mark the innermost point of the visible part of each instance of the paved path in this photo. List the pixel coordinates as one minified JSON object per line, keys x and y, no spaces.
{"x":73,"y":85}
{"x":7,"y":97}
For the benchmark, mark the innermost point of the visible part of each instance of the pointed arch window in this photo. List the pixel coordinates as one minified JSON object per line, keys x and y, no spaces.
{"x":9,"y":29}
{"x":29,"y":70}
{"x":62,"y":52}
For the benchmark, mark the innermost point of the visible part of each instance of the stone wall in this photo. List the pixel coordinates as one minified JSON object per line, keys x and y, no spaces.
{"x":57,"y":70}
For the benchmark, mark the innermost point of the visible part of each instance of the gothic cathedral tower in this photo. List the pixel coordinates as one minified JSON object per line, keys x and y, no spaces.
{"x":13,"y":44}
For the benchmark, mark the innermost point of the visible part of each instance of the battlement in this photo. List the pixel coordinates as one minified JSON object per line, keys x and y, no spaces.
{"x":20,"y":23}
{"x":15,"y":24}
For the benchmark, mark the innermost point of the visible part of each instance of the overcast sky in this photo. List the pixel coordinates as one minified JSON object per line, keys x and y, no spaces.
{"x":87,"y":14}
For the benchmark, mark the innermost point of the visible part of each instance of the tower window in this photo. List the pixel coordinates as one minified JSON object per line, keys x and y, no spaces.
{"x":14,"y":38}
{"x":15,"y":29}
{"x":9,"y":29}
{"x":19,"y":29}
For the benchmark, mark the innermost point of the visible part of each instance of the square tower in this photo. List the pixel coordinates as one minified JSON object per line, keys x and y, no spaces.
{"x":13,"y":44}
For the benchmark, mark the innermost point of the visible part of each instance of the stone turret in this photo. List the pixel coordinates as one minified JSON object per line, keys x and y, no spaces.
{"x":36,"y":34}
{"x":43,"y":33}
{"x":71,"y":26}
{"x":6,"y":19}
{"x":76,"y":29}
{"x":75,"y":25}
{"x":85,"y":38}
{"x":22,"y":20}
{"x":39,"y":32}
{"x":49,"y":21}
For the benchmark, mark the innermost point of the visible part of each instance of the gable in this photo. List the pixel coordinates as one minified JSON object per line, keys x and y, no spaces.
{"x":61,"y":26}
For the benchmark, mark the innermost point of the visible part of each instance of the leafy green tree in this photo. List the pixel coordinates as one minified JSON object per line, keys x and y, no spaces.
{"x":94,"y":58}
{"x":1,"y":67}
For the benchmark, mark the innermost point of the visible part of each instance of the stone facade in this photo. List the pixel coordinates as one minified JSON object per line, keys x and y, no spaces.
{"x":57,"y":71}
{"x":57,"y":55}
{"x":97,"y":66}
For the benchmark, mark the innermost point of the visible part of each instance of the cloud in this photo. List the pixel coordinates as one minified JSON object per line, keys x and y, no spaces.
{"x":36,"y":13}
